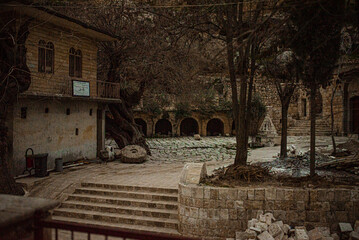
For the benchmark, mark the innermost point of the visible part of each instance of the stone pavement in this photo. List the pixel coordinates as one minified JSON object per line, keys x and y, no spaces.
{"x":162,"y":169}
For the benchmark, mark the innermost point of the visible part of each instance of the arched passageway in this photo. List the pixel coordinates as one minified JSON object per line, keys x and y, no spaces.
{"x":143,"y":125}
{"x":163,"y":127}
{"x":215,"y":127}
{"x":354,"y":114}
{"x":189,"y":127}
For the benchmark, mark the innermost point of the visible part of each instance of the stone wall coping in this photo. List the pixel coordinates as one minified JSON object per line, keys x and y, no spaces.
{"x":16,"y":209}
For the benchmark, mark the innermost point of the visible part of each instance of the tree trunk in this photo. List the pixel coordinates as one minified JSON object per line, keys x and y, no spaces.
{"x":313,"y":90}
{"x":284,"y":134}
{"x":7,"y":182}
{"x":332,"y":119}
{"x":122,"y":127}
{"x":15,"y":78}
{"x":243,"y":143}
{"x":233,"y":80}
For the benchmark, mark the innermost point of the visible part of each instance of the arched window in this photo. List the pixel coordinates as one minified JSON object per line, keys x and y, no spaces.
{"x":46,"y":57}
{"x":75,"y":63}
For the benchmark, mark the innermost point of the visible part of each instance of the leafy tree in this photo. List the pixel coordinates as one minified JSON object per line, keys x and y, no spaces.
{"x":316,"y":43}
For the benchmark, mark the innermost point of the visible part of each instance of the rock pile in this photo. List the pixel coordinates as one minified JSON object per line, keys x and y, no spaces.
{"x":266,"y":227}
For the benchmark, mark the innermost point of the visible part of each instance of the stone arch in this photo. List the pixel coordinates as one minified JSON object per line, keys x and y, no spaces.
{"x":189,"y":127}
{"x":142,"y":123}
{"x":354,"y":114}
{"x":163,"y":127}
{"x":215,"y":127}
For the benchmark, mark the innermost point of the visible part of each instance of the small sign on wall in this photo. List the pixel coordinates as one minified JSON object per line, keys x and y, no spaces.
{"x":80,"y":88}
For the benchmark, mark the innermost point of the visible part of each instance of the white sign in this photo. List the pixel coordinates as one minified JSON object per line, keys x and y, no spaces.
{"x":80,"y":88}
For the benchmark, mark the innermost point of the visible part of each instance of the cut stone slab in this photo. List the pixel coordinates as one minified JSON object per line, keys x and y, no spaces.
{"x":257,"y":230}
{"x":265,"y":236}
{"x":193,"y":173}
{"x":275,"y":230}
{"x":315,"y":234}
{"x":252,"y":223}
{"x":335,"y":236}
{"x":354,"y":236}
{"x":301,"y":234}
{"x":285,"y":228}
{"x":345,"y":227}
{"x":325,"y":231}
{"x":262,"y":226}
{"x":133,"y":154}
{"x":245,"y":235}
{"x":356,"y":226}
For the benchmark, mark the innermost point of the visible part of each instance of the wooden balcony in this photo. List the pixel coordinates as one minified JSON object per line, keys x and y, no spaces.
{"x":108,"y":89}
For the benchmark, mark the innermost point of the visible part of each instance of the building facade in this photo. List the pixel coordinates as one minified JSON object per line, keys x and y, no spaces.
{"x":63,"y":112}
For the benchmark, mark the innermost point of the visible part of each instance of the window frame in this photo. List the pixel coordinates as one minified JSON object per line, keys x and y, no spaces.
{"x":46,"y":64}
{"x":75,"y":63}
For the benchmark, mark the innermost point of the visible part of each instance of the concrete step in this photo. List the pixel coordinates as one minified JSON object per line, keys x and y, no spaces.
{"x":116,"y":218}
{"x":130,"y":188}
{"x":127,"y":194}
{"x":124,"y":201}
{"x":110,"y":208}
{"x":119,"y":225}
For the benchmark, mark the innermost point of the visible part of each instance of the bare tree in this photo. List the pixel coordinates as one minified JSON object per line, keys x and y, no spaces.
{"x":14,"y":79}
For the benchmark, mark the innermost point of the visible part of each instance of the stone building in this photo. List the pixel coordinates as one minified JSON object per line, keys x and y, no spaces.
{"x":345,"y":109}
{"x":62,"y":113}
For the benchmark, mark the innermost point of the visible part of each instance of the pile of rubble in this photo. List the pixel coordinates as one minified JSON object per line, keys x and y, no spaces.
{"x":265,"y":227}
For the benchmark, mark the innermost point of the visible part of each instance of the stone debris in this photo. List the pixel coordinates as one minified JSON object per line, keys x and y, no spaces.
{"x":354,"y":236}
{"x":197,"y":137}
{"x":345,"y":227}
{"x":265,"y":236}
{"x":265,"y":227}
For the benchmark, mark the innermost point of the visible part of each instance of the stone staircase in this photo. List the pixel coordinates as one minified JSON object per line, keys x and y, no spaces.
{"x":127,"y":207}
{"x":302,"y":128}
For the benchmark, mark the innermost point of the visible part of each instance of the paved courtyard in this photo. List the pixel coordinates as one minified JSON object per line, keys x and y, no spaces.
{"x":162,"y":169}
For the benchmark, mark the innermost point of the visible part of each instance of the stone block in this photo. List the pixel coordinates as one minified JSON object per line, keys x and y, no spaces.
{"x":252,"y":223}
{"x":232,"y":214}
{"x":197,"y":192}
{"x":206,"y":192}
{"x":325,"y":231}
{"x":193,"y":173}
{"x":280,"y":194}
{"x":286,"y":228}
{"x":242,"y":194}
{"x":335,"y":236}
{"x":259,"y":194}
{"x":300,"y":234}
{"x":239,"y":204}
{"x":245,"y":235}
{"x":223,"y":214}
{"x":356,"y":226}
{"x":354,"y":236}
{"x":275,"y":230}
{"x":265,"y":236}
{"x":315,"y":234}
{"x":257,"y":230}
{"x":288,"y":194}
{"x":270,"y":194}
{"x":214,"y":193}
{"x":269,"y":218}
{"x":301,"y":205}
{"x":342,"y":195}
{"x":250,"y":194}
{"x":345,"y":227}
{"x":262,"y":226}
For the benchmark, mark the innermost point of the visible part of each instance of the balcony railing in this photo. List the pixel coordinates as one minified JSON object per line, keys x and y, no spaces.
{"x":108,"y":89}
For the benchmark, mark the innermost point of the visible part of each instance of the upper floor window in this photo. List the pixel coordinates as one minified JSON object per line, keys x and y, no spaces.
{"x":75,"y":63}
{"x":46,"y":57}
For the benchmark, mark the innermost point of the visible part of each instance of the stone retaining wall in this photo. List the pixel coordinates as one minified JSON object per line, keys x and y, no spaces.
{"x":217,"y":213}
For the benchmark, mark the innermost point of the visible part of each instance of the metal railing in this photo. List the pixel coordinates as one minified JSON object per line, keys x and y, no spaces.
{"x":56,"y":225}
{"x":108,"y":89}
